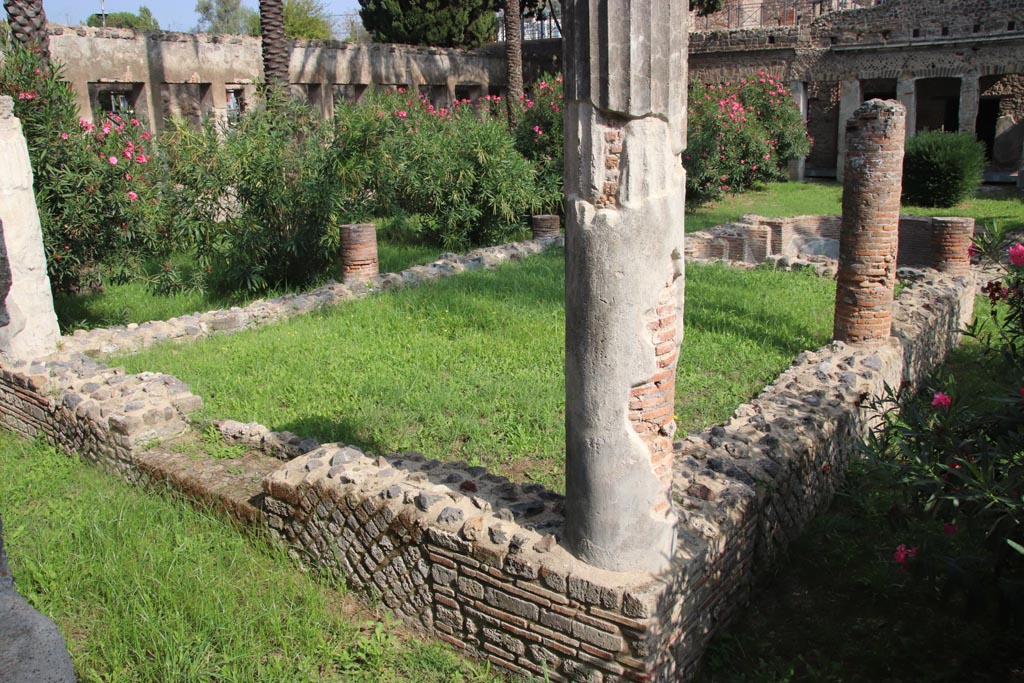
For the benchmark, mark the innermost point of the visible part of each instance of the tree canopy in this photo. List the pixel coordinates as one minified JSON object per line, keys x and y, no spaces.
{"x":143,"y":21}
{"x":224,"y":16}
{"x":452,"y":23}
{"x":306,"y":19}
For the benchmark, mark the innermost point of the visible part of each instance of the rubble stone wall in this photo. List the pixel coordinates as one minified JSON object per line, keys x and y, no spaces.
{"x":474,"y":558}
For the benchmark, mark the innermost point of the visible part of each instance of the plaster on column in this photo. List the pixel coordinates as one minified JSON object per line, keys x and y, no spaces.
{"x":625,"y":123}
{"x":32,"y":324}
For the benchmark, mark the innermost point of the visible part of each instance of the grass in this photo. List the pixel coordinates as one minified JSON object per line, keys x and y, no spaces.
{"x":135,"y":302}
{"x":795,"y":199}
{"x":839,"y":609}
{"x":471,"y":368}
{"x":148,"y":588}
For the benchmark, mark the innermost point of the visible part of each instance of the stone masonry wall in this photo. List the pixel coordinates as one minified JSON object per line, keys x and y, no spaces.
{"x":475,"y":558}
{"x":755,"y":239}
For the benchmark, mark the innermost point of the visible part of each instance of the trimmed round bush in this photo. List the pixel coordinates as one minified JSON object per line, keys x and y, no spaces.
{"x":942,"y":169}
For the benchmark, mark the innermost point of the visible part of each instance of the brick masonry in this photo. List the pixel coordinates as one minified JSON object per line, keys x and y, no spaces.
{"x":359,"y":252}
{"x":871,"y":211}
{"x":475,"y":559}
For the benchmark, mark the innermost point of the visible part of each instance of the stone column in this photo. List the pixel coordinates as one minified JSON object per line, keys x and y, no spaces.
{"x":31,"y":330}
{"x":870,"y":224}
{"x":849,"y":100}
{"x":797,"y":167}
{"x":359,"y":252}
{"x":625,"y":129}
{"x":970,"y":94}
{"x":906,"y":93}
{"x":951,"y":239}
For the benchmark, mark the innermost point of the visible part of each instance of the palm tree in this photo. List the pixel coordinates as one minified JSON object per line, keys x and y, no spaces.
{"x":275,"y":44}
{"x":28,"y":25}
{"x":513,"y":59}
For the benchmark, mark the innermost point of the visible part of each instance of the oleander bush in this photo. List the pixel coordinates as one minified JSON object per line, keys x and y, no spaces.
{"x":740,"y":134}
{"x":97,"y":187}
{"x":942,"y":169}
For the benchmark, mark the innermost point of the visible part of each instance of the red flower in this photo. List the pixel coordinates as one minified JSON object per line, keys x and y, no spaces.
{"x":941,"y":400}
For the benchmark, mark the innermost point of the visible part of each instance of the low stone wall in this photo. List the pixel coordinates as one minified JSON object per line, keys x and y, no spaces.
{"x":755,"y":239}
{"x":475,"y":558}
{"x":135,"y":337}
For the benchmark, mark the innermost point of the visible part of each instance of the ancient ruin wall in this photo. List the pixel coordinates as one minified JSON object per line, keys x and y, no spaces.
{"x":475,"y":558}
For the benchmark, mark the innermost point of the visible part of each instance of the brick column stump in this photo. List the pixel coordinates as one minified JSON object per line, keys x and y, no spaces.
{"x":545,"y":225}
{"x":951,"y":240}
{"x":870,"y":224}
{"x":359,"y":252}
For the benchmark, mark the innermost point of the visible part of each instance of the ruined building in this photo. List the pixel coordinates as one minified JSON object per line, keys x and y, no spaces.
{"x":955,"y":65}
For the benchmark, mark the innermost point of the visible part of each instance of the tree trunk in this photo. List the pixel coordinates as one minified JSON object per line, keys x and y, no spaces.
{"x":513,"y":60}
{"x":28,"y":25}
{"x":275,"y":44}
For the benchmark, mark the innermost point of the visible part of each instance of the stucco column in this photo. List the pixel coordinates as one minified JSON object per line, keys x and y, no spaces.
{"x":625,"y":128}
{"x":970,"y":93}
{"x":870,"y":225}
{"x":906,"y":93}
{"x":849,"y":100}
{"x":31,"y":330}
{"x":798,"y":89}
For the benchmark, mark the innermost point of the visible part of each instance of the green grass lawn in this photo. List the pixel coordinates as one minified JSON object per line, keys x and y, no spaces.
{"x":146,"y":588}
{"x":471,"y":367}
{"x":135,"y":302}
{"x":818,"y":197}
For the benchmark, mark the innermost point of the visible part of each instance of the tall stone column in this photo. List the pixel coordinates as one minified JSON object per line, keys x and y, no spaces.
{"x":849,"y":100}
{"x":906,"y":93}
{"x":31,"y":330}
{"x":870,"y":224}
{"x":625,"y":129}
{"x":798,"y":89}
{"x":970,"y":96}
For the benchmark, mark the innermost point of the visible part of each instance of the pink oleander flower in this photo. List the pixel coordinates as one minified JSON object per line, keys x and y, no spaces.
{"x":135,"y":122}
{"x":145,"y":135}
{"x":132,"y":196}
{"x":141,"y":158}
{"x":537,"y":130}
{"x":27,"y":95}
{"x":941,"y":400}
{"x":402,"y":114}
{"x":63,"y":136}
{"x":949,"y":528}
{"x":972,"y":251}
{"x":904,"y":555}
{"x":112,"y":160}
{"x":1017,"y":254}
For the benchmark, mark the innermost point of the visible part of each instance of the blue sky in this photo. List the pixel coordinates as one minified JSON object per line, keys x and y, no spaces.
{"x":173,"y":15}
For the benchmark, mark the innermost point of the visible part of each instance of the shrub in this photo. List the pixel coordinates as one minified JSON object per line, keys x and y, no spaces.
{"x":95,"y":185}
{"x":258,"y":201}
{"x":959,"y":455}
{"x":538,"y":137}
{"x":942,"y":169}
{"x":457,"y":170}
{"x":738,"y":135}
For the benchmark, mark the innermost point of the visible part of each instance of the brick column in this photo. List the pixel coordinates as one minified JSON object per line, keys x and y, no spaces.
{"x":31,"y":328}
{"x":951,"y":238}
{"x":625,"y":123}
{"x":870,"y":224}
{"x":545,"y":225}
{"x":358,"y":252}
